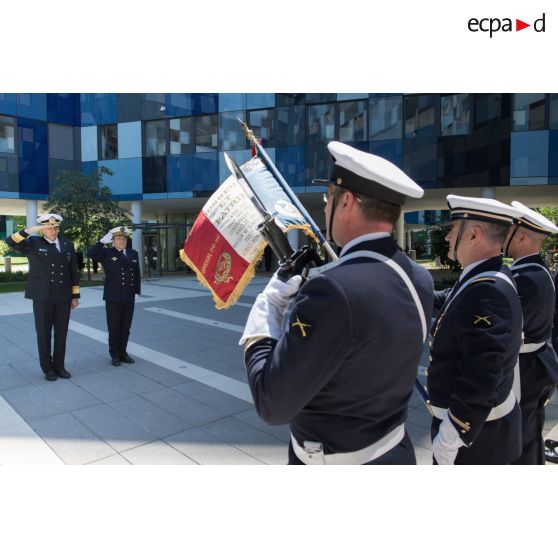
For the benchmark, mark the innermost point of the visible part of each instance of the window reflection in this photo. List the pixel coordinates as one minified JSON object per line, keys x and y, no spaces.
{"x":155,"y":138}
{"x":419,"y":116}
{"x":108,"y":139}
{"x":554,"y":111}
{"x":455,"y":114}
{"x":61,"y":142}
{"x":385,"y":118}
{"x":7,"y":134}
{"x":352,"y":121}
{"x":321,"y":123}
{"x":262,"y":123}
{"x":181,"y":131}
{"x":207,"y":136}
{"x":230,"y":131}
{"x":289,"y":125}
{"x":528,"y":111}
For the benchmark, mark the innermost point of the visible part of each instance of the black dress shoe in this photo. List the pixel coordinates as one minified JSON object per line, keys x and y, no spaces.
{"x":551,"y":451}
{"x":63,"y":374}
{"x":115,"y":362}
{"x":50,"y":376}
{"x":128,"y":359}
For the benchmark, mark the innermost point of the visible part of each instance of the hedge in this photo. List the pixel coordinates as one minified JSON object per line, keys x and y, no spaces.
{"x":13,"y":277}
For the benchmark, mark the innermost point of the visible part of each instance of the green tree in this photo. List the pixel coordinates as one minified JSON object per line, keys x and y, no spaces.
{"x":551,"y":213}
{"x":3,"y":248}
{"x":87,"y":207}
{"x":440,"y":247}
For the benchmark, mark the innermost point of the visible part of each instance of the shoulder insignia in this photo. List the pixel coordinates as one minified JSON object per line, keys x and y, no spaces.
{"x":17,"y":238}
{"x":301,"y":325}
{"x":482,"y":321}
{"x":114,"y":258}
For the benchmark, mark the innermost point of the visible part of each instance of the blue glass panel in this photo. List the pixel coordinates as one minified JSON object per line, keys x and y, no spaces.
{"x":98,"y":108}
{"x":9,"y":179}
{"x":178,"y":104}
{"x":232,"y":101}
{"x":259,"y":100}
{"x":420,"y":158}
{"x":529,"y":154}
{"x":89,"y":146}
{"x":154,"y":175}
{"x":129,"y":140}
{"x":205,"y":103}
{"x":63,"y":108}
{"x":33,"y":156}
{"x":32,"y":105}
{"x":87,"y":167}
{"x":553,"y":157}
{"x":351,"y":96}
{"x":392,"y":150}
{"x":8,"y":104}
{"x":231,"y":135}
{"x":412,"y":217}
{"x":127,"y":177}
{"x":290,"y":163}
{"x":206,"y":172}
{"x":180,"y":173}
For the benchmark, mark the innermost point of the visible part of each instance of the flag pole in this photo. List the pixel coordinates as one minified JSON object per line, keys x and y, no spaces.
{"x":287,"y":189}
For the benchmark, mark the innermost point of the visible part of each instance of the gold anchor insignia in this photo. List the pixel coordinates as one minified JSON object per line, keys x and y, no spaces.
{"x":301,"y":325}
{"x":481,"y":319}
{"x":114,"y":258}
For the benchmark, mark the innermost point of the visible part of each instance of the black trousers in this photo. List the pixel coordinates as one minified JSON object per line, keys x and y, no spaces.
{"x":119,"y":321}
{"x":402,"y":454}
{"x":47,"y":315}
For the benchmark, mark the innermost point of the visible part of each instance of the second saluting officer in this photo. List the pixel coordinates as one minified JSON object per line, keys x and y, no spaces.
{"x":53,"y":285}
{"x":122,"y":284}
{"x":538,"y":365}
{"x":341,"y":368}
{"x":476,"y":341}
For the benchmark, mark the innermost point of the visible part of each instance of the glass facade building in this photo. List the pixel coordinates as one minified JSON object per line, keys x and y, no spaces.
{"x":168,"y":146}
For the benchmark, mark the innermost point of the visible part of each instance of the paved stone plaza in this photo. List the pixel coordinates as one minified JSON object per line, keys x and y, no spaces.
{"x":184,"y":402}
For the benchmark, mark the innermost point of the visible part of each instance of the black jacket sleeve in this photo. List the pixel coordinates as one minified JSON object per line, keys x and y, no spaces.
{"x":97,"y":252}
{"x":18,"y":241}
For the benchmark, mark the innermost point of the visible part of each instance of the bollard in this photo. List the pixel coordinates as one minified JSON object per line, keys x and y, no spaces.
{"x":413,"y":255}
{"x":8,"y":264}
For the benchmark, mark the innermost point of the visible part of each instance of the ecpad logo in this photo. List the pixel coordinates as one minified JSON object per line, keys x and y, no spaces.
{"x":492,"y":25}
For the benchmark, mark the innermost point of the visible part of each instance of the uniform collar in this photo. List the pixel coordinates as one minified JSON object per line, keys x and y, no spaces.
{"x":362,"y":238}
{"x":488,"y":264}
{"x":530,"y":258}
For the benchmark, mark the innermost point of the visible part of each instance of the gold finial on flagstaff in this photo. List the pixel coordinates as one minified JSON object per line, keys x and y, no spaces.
{"x":248,"y":133}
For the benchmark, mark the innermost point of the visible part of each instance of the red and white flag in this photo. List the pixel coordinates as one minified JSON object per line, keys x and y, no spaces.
{"x":224,"y":245}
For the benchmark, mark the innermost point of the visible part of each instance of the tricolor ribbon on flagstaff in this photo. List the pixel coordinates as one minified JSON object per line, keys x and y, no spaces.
{"x":224,"y":245}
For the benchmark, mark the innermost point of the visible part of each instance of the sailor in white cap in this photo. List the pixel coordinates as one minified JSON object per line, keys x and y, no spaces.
{"x":337,"y":357}
{"x":476,"y":341}
{"x":122,"y":284}
{"x":53,"y":285}
{"x":538,"y":364}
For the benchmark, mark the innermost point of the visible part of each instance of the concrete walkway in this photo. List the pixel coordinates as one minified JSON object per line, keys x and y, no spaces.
{"x":185,"y":401}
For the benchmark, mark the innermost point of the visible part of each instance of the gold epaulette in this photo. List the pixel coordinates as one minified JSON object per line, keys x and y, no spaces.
{"x":17,"y":238}
{"x":75,"y":289}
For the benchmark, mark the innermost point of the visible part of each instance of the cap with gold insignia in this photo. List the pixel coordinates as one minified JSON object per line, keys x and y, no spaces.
{"x":50,"y":219}
{"x":481,"y":209}
{"x":534,"y":221}
{"x":370,"y":175}
{"x":120,"y":231}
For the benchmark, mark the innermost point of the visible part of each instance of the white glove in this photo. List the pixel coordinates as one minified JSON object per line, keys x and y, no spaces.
{"x":267,"y":313}
{"x":446,"y":443}
{"x":106,"y":239}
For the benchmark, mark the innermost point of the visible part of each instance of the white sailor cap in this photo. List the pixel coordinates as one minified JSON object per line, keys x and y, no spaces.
{"x":49,"y":219}
{"x":481,"y":209}
{"x":370,"y":175}
{"x":534,"y":221}
{"x":120,"y":231}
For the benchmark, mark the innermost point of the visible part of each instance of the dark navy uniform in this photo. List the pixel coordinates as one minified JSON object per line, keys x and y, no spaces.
{"x":344,"y":368}
{"x":122,"y":283}
{"x":538,"y":364}
{"x":52,"y":283}
{"x":555,"y":328}
{"x":476,"y":340}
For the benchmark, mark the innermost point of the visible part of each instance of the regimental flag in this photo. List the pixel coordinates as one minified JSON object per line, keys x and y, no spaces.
{"x":224,"y":245}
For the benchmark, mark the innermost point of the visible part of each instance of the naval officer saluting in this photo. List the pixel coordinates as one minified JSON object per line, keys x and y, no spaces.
{"x":476,"y":341}
{"x":53,"y":285}
{"x":122,"y":284}
{"x":342,"y":366}
{"x":538,"y":364}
